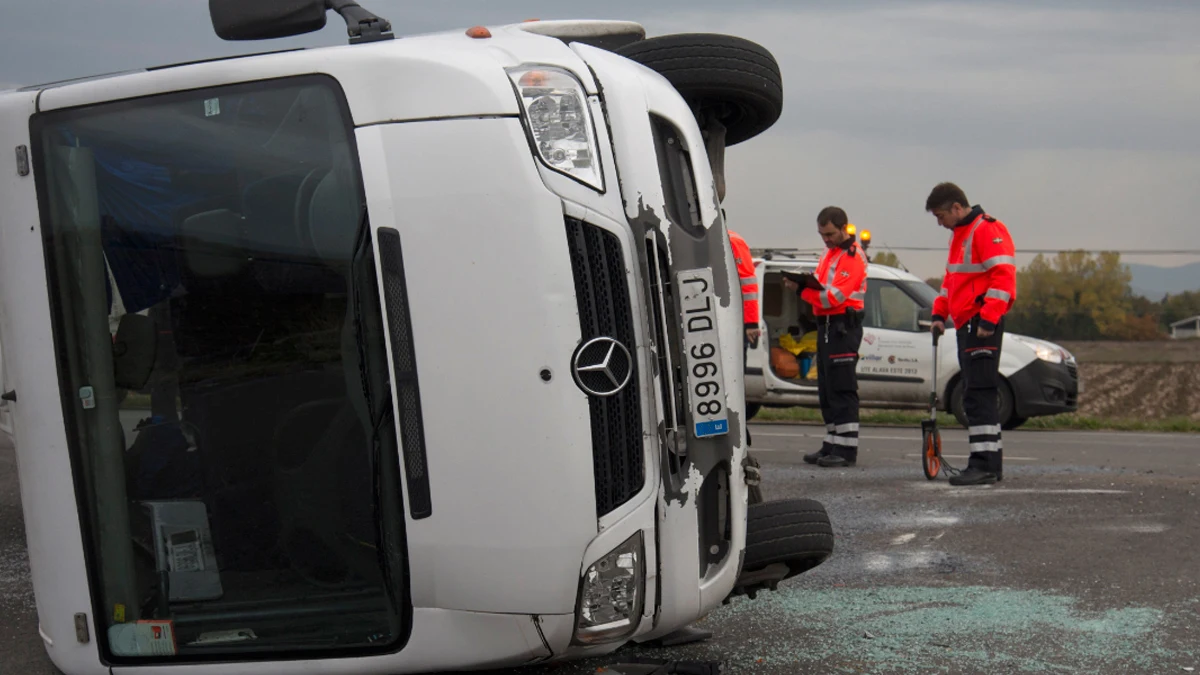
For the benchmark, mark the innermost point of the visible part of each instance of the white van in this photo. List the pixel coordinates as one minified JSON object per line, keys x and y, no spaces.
{"x":896,"y":357}
{"x":262,"y":428}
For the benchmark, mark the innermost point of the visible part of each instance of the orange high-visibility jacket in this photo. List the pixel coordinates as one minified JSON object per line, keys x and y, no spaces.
{"x":981,"y":272}
{"x":843,"y":273}
{"x":748,"y":277}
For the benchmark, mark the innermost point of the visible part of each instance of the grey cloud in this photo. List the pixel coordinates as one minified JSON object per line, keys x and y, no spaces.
{"x":1073,"y":120}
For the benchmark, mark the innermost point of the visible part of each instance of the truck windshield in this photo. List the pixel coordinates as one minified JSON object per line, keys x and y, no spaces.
{"x":223,"y":374}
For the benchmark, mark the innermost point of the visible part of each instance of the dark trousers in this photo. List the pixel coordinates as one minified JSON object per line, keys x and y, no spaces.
{"x":979,"y":360}
{"x":838,"y":340}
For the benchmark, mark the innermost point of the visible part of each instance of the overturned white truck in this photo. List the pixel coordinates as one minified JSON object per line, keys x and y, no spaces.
{"x":262,"y":427}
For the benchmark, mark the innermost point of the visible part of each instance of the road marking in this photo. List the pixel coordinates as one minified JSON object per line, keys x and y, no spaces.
{"x":1140,"y":528}
{"x":1153,"y":440}
{"x":1006,"y":457}
{"x":992,"y":490}
{"x":903,"y":539}
{"x":822,"y":435}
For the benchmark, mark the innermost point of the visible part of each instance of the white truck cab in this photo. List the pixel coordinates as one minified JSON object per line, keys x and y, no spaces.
{"x":896,"y":357}
{"x":262,"y":429}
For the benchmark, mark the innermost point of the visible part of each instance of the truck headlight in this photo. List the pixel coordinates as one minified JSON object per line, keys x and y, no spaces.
{"x":610,"y":596}
{"x":559,"y":121}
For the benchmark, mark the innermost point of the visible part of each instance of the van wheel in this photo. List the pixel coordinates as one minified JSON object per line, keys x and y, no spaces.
{"x":736,"y":80}
{"x":1007,"y":406}
{"x":752,"y":410}
{"x":1014,"y":422}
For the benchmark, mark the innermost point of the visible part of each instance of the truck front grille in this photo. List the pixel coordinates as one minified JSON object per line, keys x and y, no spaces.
{"x":602,"y":290}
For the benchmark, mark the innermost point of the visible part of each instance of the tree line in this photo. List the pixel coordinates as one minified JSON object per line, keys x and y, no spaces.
{"x":1076,"y":295}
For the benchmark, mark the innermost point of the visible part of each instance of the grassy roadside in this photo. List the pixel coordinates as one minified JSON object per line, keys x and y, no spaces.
{"x":912,"y":418}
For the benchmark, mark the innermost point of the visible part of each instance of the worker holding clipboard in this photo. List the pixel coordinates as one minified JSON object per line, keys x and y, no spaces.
{"x":836,"y":292}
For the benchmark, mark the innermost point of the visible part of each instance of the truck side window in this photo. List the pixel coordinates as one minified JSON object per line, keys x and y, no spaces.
{"x":678,"y":179}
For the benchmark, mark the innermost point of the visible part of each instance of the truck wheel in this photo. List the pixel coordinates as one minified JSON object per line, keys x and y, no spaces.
{"x":784,"y":538}
{"x":796,"y":532}
{"x":1007,"y":406}
{"x":752,"y":410}
{"x":737,"y":80}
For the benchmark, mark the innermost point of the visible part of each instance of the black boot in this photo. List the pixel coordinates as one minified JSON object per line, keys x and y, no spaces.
{"x":814,"y":457}
{"x":974,"y":476}
{"x":835,"y":462}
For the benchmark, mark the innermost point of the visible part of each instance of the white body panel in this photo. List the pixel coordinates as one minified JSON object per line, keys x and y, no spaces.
{"x":630,"y":91}
{"x":495,"y":571}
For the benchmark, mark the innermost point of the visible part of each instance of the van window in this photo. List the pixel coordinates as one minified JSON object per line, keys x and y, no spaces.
{"x":890,"y":307}
{"x":224,"y":382}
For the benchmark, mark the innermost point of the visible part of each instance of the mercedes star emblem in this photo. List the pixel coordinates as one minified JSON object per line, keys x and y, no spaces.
{"x":602,"y":366}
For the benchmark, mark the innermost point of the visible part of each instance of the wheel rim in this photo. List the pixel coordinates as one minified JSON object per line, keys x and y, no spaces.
{"x":932,"y":455}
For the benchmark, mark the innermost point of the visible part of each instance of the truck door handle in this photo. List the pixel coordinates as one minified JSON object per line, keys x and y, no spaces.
{"x":10,"y":395}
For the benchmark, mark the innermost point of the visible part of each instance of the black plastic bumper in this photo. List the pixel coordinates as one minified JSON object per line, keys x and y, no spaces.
{"x":1044,"y":388}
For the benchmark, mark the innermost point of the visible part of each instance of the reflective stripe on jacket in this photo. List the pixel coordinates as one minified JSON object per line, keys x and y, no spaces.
{"x":981,"y":272}
{"x":843,"y":273}
{"x":748,"y":277}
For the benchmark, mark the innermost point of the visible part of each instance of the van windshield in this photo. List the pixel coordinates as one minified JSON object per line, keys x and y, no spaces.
{"x":922,"y":292}
{"x":223,"y":373}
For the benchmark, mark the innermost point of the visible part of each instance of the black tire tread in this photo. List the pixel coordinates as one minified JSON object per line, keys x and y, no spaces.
{"x":713,"y":68}
{"x":793,"y":531}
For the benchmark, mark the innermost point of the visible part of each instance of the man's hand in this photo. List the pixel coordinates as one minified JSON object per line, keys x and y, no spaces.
{"x":752,"y":334}
{"x":790,"y":285}
{"x":985,"y":332}
{"x":937,"y":327}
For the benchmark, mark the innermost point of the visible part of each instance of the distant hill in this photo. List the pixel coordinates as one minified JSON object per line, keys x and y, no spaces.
{"x":1154,"y":282}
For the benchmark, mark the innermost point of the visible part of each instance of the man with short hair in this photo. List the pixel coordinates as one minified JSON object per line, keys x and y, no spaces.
{"x":838,"y":306}
{"x":979,"y":288}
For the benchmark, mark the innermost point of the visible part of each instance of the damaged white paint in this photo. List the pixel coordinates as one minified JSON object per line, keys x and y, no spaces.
{"x":903,"y":539}
{"x":693,"y":482}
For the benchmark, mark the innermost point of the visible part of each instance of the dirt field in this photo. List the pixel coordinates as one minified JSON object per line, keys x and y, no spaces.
{"x":1149,"y":380}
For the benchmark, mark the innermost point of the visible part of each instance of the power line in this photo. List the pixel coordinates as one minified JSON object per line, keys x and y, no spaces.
{"x":1070,"y":250}
{"x":1020,"y":251}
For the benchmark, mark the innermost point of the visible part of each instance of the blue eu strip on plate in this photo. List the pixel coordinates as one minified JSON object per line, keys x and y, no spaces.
{"x":712,"y":428}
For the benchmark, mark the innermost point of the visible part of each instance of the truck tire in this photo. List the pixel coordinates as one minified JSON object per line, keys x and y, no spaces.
{"x":737,"y":79}
{"x":752,"y":410}
{"x":1007,"y":406}
{"x":795,"y":532}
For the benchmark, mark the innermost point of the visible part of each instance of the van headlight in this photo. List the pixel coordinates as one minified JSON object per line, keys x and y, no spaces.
{"x":610,"y":595}
{"x":1046,"y":351}
{"x":559,"y":121}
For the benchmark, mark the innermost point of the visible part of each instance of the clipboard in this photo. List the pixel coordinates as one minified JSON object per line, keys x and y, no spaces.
{"x":804,"y":280}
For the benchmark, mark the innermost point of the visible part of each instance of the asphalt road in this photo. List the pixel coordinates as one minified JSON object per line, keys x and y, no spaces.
{"x":1085,"y":559}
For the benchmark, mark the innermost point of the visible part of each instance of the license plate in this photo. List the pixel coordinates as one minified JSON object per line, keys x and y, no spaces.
{"x":702,"y":354}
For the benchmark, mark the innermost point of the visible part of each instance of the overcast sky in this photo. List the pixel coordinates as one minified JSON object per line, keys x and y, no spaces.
{"x":1077,"y":123}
